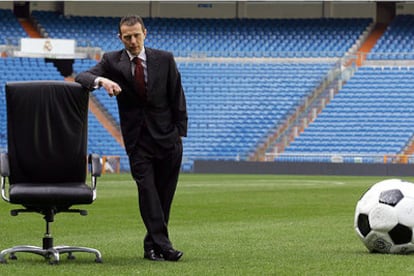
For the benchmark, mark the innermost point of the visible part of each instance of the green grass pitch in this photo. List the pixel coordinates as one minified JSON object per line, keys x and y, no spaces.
{"x":225,"y":224}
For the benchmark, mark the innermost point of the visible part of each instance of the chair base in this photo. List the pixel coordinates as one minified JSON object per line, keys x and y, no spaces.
{"x":52,"y":252}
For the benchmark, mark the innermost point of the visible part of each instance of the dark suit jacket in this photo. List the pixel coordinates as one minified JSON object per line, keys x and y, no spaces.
{"x":164,"y":113}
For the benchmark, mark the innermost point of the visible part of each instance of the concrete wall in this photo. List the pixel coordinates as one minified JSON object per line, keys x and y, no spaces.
{"x":305,"y":168}
{"x":405,"y":8}
{"x":217,"y":9}
{"x":358,"y":9}
{"x":222,"y":9}
{"x":281,"y":10}
{"x":46,"y":5}
{"x":189,"y":9}
{"x":6,"y":5}
{"x":107,"y":8}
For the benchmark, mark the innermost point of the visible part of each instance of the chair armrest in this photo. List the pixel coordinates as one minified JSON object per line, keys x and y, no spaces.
{"x":96,"y":168}
{"x":4,"y":164}
{"x":96,"y":164}
{"x":4,"y":172}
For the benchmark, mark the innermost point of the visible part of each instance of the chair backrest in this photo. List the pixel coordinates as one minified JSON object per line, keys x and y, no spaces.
{"x":47,"y":131}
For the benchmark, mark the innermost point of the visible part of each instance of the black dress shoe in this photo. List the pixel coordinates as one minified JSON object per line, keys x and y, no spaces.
{"x":152,"y":256}
{"x":172,"y":255}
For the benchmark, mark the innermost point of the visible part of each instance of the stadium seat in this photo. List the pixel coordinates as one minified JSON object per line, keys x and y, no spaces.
{"x":396,"y":42}
{"x":228,"y":120}
{"x":10,"y":29}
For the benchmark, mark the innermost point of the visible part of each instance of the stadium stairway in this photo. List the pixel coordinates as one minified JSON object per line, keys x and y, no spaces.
{"x":408,"y":151}
{"x":29,"y":28}
{"x":370,"y":42}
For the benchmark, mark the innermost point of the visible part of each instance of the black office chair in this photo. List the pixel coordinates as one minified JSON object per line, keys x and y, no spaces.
{"x":46,"y":163}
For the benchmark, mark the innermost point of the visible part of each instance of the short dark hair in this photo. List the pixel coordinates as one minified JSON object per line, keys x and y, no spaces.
{"x":131,"y":20}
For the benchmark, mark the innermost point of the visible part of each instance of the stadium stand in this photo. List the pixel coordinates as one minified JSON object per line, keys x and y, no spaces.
{"x":234,"y":104}
{"x":369,"y":118}
{"x":226,"y":120}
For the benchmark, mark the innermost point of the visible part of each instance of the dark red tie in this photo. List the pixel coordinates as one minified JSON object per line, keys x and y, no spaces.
{"x":139,"y":78}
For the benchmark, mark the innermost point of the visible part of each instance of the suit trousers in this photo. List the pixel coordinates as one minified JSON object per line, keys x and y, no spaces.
{"x":155,"y":170}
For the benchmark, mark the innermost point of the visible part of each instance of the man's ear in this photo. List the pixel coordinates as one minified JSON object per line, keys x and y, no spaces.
{"x":119,"y":36}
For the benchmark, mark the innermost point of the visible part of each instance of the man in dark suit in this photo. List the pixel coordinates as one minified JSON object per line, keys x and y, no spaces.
{"x":153,"y":114}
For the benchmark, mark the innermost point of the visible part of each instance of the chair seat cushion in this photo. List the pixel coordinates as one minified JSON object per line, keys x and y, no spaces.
{"x":50,"y":194}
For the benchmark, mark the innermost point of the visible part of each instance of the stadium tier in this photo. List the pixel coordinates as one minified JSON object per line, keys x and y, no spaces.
{"x":217,"y":37}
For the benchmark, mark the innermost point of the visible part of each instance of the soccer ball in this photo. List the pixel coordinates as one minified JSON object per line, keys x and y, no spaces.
{"x":384,"y":217}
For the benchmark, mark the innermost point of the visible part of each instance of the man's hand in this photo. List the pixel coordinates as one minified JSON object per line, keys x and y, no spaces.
{"x":111,"y":87}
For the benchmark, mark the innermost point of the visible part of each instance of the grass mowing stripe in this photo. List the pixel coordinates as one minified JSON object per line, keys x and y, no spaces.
{"x":225,"y":224}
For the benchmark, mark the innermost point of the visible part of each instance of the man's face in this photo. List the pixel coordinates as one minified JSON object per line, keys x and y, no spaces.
{"x":133,"y":38}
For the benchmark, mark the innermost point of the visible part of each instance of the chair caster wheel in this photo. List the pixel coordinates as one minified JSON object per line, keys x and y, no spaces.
{"x":12,"y":257}
{"x":71,"y":257}
{"x":98,"y":260}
